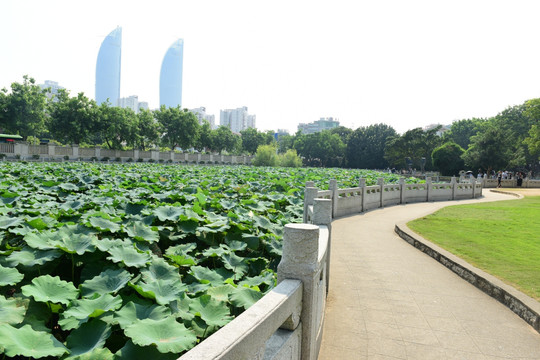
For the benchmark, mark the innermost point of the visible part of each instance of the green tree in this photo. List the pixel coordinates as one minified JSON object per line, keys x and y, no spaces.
{"x":533,"y":141}
{"x":447,"y":158}
{"x":366,"y":146}
{"x":461,"y":131}
{"x":117,"y":126}
{"x":285,"y":142}
{"x":266,"y":155}
{"x":23,"y":109}
{"x":414,"y":144}
{"x":147,"y":133}
{"x":224,"y":139}
{"x":321,"y":149}
{"x":72,"y":119}
{"x":251,"y":140}
{"x":488,"y":150}
{"x":343,"y":132}
{"x":180,"y":128}
{"x":204,"y":141}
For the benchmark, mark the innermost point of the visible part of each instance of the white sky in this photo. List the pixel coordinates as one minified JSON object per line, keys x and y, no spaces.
{"x":404,"y":63}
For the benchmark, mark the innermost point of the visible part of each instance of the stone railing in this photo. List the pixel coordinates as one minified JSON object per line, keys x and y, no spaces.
{"x":51,"y":152}
{"x":511,"y":183}
{"x":287,"y":322}
{"x":363,"y":198}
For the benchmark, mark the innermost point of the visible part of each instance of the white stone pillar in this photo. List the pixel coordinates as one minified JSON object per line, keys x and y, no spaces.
{"x":300,"y":261}
{"x":322,"y":215}
{"x":429,"y":188}
{"x":453,"y":183}
{"x":362,"y":185}
{"x":332,"y":186}
{"x":402,"y":189}
{"x":310,"y":193}
{"x":380,"y":182}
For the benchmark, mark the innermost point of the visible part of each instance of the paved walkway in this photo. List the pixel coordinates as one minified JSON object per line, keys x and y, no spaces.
{"x":387,"y":300}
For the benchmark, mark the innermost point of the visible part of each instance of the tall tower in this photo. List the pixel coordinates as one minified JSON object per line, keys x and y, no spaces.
{"x":170,"y":78}
{"x":108,"y":68}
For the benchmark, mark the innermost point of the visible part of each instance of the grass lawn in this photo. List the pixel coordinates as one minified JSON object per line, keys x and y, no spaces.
{"x":502,"y":238}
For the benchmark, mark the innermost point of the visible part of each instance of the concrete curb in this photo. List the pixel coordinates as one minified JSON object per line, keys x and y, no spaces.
{"x":524,"y":306}
{"x":519,"y":196}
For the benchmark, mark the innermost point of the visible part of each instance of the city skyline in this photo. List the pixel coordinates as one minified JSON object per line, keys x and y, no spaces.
{"x":109,"y":68}
{"x":405,"y":64}
{"x":170,"y":76}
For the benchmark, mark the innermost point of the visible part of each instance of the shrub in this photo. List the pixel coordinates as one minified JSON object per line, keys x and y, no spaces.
{"x":66,"y":157}
{"x":105,"y":158}
{"x":35,"y":157}
{"x":265,"y":156}
{"x":140,"y":160}
{"x":129,"y":160}
{"x":93,"y":158}
{"x":118,"y":159}
{"x":2,"y":156}
{"x":290,"y":159}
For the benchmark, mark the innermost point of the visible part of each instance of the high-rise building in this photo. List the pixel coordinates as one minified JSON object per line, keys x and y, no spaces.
{"x":130,"y":102}
{"x":170,"y":79}
{"x":201,"y":114}
{"x":108,"y":68}
{"x":52,"y":88}
{"x":318,"y":125}
{"x":236,"y":119}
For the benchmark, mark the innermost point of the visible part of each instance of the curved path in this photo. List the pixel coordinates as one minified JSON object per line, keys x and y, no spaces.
{"x":388,"y":300}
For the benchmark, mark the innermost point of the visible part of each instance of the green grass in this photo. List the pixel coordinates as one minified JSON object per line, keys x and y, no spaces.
{"x":501,"y":238}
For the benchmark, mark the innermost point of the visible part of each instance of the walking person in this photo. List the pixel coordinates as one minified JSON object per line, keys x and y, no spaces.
{"x":499,"y":179}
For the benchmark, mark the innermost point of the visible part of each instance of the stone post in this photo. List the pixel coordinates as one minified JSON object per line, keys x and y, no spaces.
{"x":135,"y":155}
{"x":300,"y":261}
{"x":322,"y":215}
{"x":75,"y":151}
{"x":402,"y":198}
{"x":332,"y":186}
{"x":50,"y":151}
{"x":310,"y":193}
{"x":380,"y":182}
{"x":473,"y":189}
{"x":98,"y":152}
{"x":154,"y":155}
{"x":453,"y":183}
{"x":362,"y":186}
{"x":429,"y":188}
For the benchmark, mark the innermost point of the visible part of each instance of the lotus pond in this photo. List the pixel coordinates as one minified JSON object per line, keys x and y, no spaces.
{"x":139,"y":261}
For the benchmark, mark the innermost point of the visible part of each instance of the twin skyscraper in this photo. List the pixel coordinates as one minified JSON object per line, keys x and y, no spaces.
{"x":109,"y":64}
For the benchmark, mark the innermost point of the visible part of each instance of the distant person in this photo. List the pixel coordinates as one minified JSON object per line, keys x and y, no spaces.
{"x":519,"y":179}
{"x":499,"y":179}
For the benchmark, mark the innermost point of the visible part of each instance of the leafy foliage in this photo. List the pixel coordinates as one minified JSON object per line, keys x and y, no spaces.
{"x":100,"y":259}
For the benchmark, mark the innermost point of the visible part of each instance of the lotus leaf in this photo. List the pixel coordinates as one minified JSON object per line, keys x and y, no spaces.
{"x":167,"y":335}
{"x":133,"y":311}
{"x":141,"y":232}
{"x":165,"y":213}
{"x":109,"y":281}
{"x":8,"y":222}
{"x":245,"y":297}
{"x":28,"y":342}
{"x":12,"y":311}
{"x":129,"y":256}
{"x":237,"y":264}
{"x":9,"y":276}
{"x":88,"y":308}
{"x":159,"y":269}
{"x":89,"y":337}
{"x":131,"y":351}
{"x":214,"y":277}
{"x":46,"y":288}
{"x":163,"y":291}
{"x":213,"y":312}
{"x":104,"y":224}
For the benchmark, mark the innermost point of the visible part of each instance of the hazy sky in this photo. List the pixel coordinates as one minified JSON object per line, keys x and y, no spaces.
{"x":404,"y":63}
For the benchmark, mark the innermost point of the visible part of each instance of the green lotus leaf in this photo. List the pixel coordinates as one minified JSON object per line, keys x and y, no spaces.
{"x":104,"y":224}
{"x":189,"y":214}
{"x":141,"y":232}
{"x":43,"y":241}
{"x":216,"y":251}
{"x":40,"y":223}
{"x":221,"y":293}
{"x":88,"y":308}
{"x":68,"y":187}
{"x":167,"y":335}
{"x":237,"y":264}
{"x":8,"y":222}
{"x":129,"y":256}
{"x":215,"y":228}
{"x":159,"y":269}
{"x":133,"y":311}
{"x":245,"y":297}
{"x":47,"y":288}
{"x":75,"y":243}
{"x":9,"y":276}
{"x":180,"y":307}
{"x":88,"y":338}
{"x":236,"y":245}
{"x":213,"y":312}
{"x":163,"y":291}
{"x":274,"y":247}
{"x":208,"y":276}
{"x":105,"y":244}
{"x":25,"y":341}
{"x":109,"y":281}
{"x":171,"y":213}
{"x":181,"y":249}
{"x":183,"y":260}
{"x":12,"y":310}
{"x":131,"y":351}
{"x":267,"y":278}
{"x":228,"y":204}
{"x":72,"y":205}
{"x":262,"y":222}
{"x":95,"y":354}
{"x":70,"y":323}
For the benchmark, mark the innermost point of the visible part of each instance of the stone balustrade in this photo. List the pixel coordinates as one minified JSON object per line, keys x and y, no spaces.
{"x":51,"y":152}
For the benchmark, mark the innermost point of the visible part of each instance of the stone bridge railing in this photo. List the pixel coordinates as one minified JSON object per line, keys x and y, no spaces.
{"x":52,"y":152}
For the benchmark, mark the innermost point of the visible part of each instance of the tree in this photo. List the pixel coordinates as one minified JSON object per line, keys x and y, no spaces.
{"x":204,"y":141}
{"x":321,"y":149}
{"x":343,"y":132}
{"x":180,"y":128}
{"x":23,"y":110}
{"x":461,"y":131}
{"x":414,"y":144}
{"x":447,"y":158}
{"x":488,"y":150}
{"x":117,"y":126}
{"x":224,"y":139}
{"x":72,"y":119}
{"x":285,"y":142}
{"x":266,"y":155}
{"x":147,"y":130}
{"x":290,"y":159}
{"x":366,"y":146}
{"x":533,"y":141}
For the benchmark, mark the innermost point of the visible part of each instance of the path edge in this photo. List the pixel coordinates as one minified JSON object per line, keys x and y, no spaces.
{"x":524,"y":306}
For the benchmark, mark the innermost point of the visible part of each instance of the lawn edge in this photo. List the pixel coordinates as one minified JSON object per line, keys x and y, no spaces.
{"x":524,"y":306}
